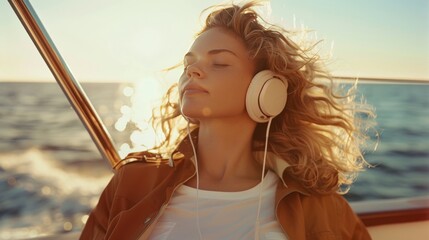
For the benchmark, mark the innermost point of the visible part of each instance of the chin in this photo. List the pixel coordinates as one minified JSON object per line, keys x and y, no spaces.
{"x":200,"y":112}
{"x":195,"y":115}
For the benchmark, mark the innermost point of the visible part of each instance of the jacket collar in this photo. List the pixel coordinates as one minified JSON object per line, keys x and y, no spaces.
{"x":274,"y":162}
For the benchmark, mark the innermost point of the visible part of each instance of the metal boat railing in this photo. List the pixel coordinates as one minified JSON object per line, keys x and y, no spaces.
{"x":65,"y":79}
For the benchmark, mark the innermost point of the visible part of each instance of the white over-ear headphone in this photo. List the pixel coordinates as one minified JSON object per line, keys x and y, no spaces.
{"x":266,"y":96}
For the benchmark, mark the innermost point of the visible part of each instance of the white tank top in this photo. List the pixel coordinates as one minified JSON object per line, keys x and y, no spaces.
{"x":223,"y":215}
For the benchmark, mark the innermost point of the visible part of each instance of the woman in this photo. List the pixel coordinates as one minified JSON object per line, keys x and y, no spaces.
{"x":264,"y":154}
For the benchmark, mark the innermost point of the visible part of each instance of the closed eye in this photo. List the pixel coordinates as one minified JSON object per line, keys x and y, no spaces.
{"x":220,"y":65}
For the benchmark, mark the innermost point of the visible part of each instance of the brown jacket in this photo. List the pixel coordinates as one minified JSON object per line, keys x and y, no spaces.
{"x":138,"y":193}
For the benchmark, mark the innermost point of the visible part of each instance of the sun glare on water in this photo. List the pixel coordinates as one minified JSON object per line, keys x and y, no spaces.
{"x":144,"y":95}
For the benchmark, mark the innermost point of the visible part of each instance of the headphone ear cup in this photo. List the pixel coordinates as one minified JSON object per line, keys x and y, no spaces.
{"x":266,"y":96}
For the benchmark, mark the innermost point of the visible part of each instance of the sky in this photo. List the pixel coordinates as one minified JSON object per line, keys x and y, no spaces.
{"x":107,"y":40}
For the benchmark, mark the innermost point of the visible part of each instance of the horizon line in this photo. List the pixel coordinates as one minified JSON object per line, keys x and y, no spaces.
{"x":383,"y":79}
{"x":337,"y":77}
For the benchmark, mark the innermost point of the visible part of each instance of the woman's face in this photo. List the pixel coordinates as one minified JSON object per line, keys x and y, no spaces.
{"x":218,"y":71}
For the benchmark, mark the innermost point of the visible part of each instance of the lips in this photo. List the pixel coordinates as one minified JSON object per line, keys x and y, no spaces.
{"x":193,"y":88}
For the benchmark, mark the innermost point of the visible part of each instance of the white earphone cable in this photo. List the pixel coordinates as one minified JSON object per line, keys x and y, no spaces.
{"x":198,"y":181}
{"x":261,"y":187}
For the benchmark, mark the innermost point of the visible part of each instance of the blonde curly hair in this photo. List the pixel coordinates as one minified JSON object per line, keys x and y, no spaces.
{"x":320,"y":132}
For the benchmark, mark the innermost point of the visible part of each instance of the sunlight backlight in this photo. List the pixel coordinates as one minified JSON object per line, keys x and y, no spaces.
{"x":144,"y":95}
{"x":124,"y":149}
{"x":68,"y":226}
{"x":121,"y":123}
{"x":84,"y":218}
{"x":128,"y":91}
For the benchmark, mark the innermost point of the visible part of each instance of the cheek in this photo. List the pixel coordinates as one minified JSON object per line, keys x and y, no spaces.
{"x":234,"y":93}
{"x":182,"y":80}
{"x":240,"y":87}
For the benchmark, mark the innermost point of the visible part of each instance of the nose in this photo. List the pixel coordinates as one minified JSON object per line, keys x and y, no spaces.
{"x":195,"y":71}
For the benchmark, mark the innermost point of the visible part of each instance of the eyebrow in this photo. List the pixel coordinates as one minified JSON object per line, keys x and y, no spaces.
{"x":212,"y":52}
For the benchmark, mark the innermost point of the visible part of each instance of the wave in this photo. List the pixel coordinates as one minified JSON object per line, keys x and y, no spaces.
{"x":408,"y":153}
{"x":42,"y":196}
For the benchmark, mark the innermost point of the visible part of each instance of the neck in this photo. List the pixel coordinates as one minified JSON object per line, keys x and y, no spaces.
{"x":225,"y":151}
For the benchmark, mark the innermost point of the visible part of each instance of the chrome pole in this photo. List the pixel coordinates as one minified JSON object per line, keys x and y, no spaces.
{"x":65,"y":79}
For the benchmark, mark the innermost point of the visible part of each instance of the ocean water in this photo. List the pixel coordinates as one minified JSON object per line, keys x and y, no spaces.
{"x":51,"y":173}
